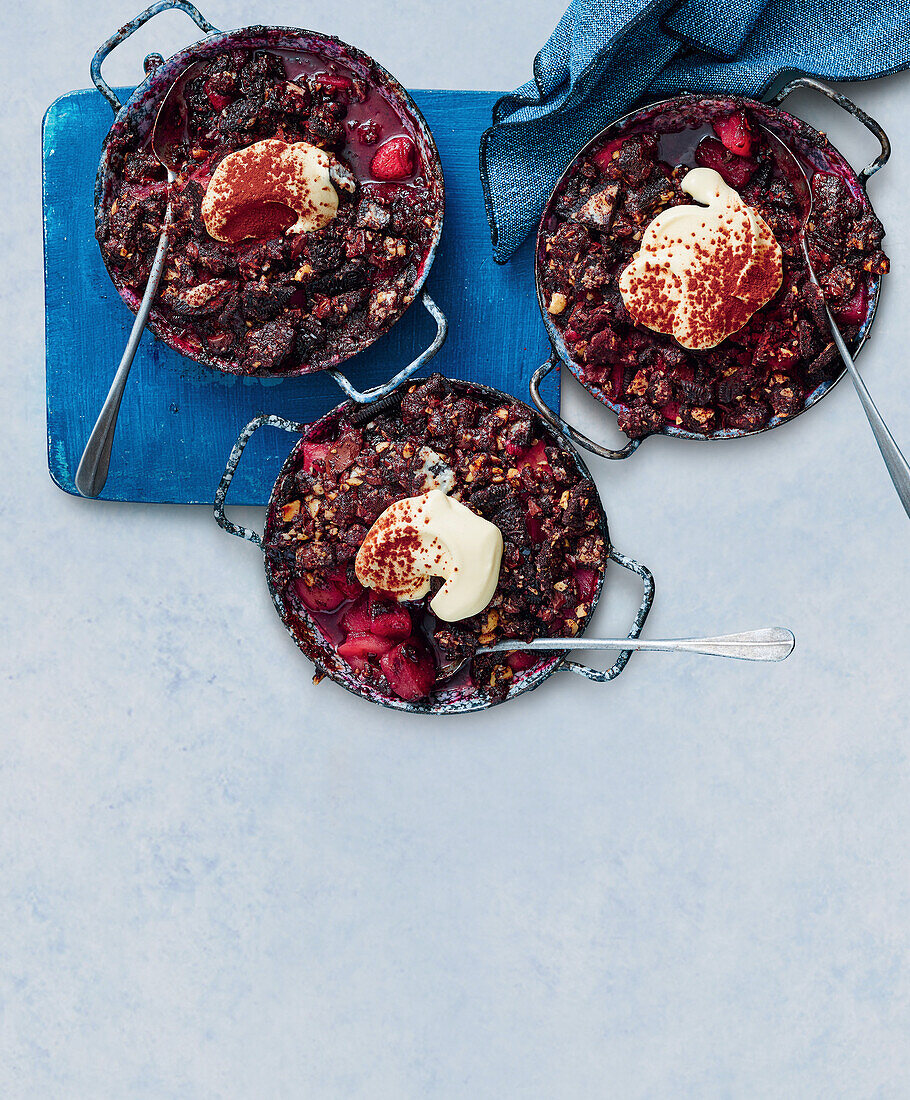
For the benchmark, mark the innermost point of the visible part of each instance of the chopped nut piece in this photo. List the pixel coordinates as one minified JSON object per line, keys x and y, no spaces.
{"x":492,"y":621}
{"x":558,"y":303}
{"x":639,"y":384}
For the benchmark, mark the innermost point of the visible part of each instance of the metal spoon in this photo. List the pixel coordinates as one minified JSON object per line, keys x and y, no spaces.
{"x":771,"y":643}
{"x":894,"y":460}
{"x":167,"y":135}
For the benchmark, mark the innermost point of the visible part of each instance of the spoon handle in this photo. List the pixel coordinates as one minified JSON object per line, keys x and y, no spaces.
{"x":894,"y":460}
{"x":771,"y":643}
{"x":93,"y":466}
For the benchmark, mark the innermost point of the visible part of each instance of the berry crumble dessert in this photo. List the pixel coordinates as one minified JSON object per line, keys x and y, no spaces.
{"x":306,"y":207}
{"x":703,"y":317}
{"x":451,"y":520}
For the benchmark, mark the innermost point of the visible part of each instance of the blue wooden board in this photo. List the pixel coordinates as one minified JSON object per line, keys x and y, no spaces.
{"x":179,"y":420}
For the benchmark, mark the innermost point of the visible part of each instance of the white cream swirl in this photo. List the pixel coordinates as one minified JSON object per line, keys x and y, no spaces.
{"x":702,"y":271}
{"x":432,"y":535}
{"x":250,"y":185}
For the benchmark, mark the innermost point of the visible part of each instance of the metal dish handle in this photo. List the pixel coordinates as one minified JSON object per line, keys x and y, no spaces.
{"x":364,"y":397}
{"x":850,"y":107}
{"x":557,"y":422}
{"x":614,"y":670}
{"x":128,"y":28}
{"x":231,"y":468}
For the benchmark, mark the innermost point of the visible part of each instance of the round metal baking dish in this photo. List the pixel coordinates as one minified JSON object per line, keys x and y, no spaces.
{"x":138,"y":114}
{"x":809,"y":144}
{"x":310,"y":637}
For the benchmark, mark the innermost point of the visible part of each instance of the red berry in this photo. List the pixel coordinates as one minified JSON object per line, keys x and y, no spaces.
{"x":369,"y":131}
{"x":535,"y":456}
{"x":586,"y":582}
{"x":735,"y":170}
{"x":394,"y":159}
{"x":313,"y":453}
{"x":735,"y":133}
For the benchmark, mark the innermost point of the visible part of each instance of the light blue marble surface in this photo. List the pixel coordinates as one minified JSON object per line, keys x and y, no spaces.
{"x":217,"y":880}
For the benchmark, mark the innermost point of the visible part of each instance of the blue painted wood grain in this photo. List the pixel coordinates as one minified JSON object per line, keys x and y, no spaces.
{"x":179,"y":419}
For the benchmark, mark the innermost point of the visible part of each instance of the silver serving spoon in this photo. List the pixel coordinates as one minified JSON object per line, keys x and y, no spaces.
{"x":894,"y":460}
{"x":771,"y":643}
{"x":167,"y":134}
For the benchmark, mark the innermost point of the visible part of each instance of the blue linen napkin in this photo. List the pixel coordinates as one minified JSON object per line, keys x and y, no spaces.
{"x":604,"y":55}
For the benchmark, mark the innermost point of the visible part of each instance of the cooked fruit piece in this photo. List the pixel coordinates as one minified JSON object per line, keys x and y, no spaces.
{"x":394,"y":159}
{"x":736,"y":170}
{"x":318,"y":597}
{"x":313,"y":453}
{"x":357,"y":648}
{"x":736,"y":133}
{"x":356,"y":620}
{"x":854,"y":311}
{"x":536,"y":456}
{"x":388,"y":619}
{"x":409,"y":669}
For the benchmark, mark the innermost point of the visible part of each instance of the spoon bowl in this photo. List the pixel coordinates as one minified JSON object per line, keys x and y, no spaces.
{"x":169,"y":131}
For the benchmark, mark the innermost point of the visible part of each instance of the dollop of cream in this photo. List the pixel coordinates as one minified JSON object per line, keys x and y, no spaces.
{"x":252,"y":188}
{"x":432,"y":535}
{"x":702,"y":271}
